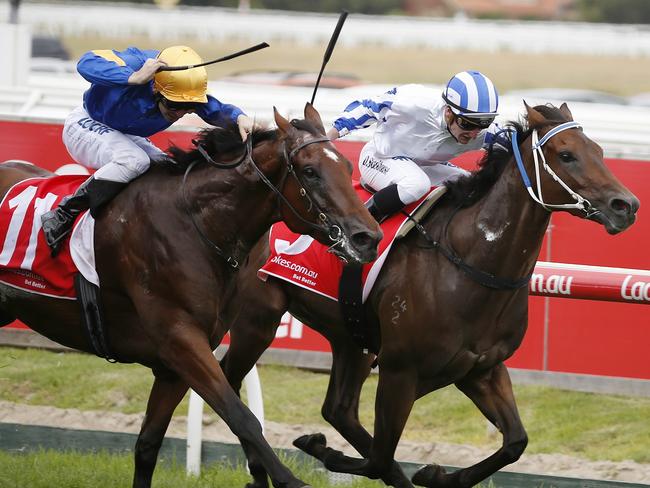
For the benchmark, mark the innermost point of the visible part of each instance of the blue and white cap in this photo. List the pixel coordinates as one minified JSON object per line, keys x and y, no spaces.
{"x":471,"y":94}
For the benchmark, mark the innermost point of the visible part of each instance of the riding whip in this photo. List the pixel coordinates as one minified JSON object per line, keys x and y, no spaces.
{"x":328,"y":51}
{"x":251,"y":49}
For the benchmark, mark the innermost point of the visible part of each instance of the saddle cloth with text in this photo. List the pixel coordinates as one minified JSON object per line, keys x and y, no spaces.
{"x":305,"y":262}
{"x":25,"y":260}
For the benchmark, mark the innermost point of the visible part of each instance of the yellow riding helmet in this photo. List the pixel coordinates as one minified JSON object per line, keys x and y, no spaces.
{"x":185,"y":86}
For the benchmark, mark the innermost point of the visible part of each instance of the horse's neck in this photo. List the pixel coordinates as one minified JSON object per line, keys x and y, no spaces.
{"x":503,"y":232}
{"x":238,"y":209}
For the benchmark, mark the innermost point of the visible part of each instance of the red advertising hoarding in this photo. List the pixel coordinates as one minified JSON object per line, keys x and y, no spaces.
{"x":564,"y":335}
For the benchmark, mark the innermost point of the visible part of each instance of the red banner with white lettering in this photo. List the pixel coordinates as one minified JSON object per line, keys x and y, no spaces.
{"x":565,"y":335}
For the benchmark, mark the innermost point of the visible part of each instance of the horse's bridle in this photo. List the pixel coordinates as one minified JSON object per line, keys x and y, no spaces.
{"x":490,"y":280}
{"x":581,"y":202}
{"x":334,"y":231}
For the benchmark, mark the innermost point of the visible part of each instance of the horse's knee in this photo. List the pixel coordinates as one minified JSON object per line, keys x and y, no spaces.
{"x":337,"y":416}
{"x":513,"y":450}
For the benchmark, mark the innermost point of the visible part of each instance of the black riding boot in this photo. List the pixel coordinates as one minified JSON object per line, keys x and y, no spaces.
{"x":385,"y":203}
{"x":57,"y":223}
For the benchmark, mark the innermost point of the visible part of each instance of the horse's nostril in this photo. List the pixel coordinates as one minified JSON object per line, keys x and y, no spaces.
{"x":364,"y":240}
{"x":621,"y":206}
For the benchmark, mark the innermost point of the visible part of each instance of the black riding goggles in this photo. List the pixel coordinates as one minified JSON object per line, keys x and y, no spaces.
{"x":179,"y":106}
{"x":466,"y":123}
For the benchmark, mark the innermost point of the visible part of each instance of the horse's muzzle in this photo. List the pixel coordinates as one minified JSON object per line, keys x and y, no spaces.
{"x":358,"y":246}
{"x":618,"y":213}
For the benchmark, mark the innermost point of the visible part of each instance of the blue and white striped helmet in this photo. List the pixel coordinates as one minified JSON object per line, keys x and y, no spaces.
{"x":471,"y":94}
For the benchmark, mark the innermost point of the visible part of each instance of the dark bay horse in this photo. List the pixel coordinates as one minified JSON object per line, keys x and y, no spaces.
{"x":441,"y":323}
{"x":166,"y":250}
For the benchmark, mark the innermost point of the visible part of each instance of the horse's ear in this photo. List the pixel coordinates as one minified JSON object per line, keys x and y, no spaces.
{"x":312,"y":115}
{"x":564,"y":108}
{"x":535,"y":119}
{"x":282,"y":123}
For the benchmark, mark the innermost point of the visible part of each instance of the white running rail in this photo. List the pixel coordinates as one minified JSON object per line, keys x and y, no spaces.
{"x":195,"y":419}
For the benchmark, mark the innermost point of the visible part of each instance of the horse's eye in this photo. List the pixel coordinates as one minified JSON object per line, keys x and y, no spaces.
{"x":309,"y":172}
{"x":567,"y":157}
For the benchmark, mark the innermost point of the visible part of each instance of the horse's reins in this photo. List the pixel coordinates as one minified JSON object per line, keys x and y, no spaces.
{"x":233,"y":262}
{"x":484,"y":278}
{"x":490,"y":280}
{"x":334,"y":231}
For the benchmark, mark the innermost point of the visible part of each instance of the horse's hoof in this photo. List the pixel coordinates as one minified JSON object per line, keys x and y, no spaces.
{"x":308,"y":442}
{"x":428,"y":475}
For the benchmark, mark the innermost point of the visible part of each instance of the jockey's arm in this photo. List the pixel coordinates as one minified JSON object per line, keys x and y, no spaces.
{"x":496,"y":136}
{"x":362,"y":113}
{"x":220,"y":114}
{"x":115,"y":68}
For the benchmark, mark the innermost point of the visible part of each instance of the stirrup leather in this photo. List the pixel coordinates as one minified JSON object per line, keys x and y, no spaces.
{"x":421,"y":211}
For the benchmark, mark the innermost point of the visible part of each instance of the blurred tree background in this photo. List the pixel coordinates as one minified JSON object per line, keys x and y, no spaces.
{"x":611,"y":11}
{"x":615,"y":11}
{"x":370,"y":7}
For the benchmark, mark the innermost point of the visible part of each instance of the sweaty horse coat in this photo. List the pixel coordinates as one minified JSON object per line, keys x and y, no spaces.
{"x":165,"y":252}
{"x":439,"y":323}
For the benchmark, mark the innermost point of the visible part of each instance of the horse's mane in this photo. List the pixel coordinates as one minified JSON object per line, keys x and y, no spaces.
{"x":226,"y":140}
{"x":217,"y":141}
{"x":467,"y":190}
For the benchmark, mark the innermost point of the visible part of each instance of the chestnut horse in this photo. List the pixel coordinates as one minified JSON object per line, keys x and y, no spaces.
{"x":450,"y":304}
{"x":167,"y":250}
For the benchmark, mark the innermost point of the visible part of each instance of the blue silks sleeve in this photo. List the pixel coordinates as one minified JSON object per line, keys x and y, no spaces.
{"x":218,"y":114}
{"x":112,"y":68}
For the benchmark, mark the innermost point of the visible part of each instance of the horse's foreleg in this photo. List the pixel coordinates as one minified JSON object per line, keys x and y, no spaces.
{"x":393,"y":403}
{"x":396,"y":393}
{"x":250,"y":336}
{"x":492,"y":394}
{"x":166,"y":393}
{"x":188,"y":353}
{"x":350,"y":368}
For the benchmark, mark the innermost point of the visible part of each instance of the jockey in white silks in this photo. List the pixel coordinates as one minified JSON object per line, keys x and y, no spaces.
{"x":417,"y":133}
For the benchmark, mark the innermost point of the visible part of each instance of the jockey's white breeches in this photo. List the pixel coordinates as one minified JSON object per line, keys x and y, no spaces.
{"x":116,"y":156}
{"x":413,"y":181}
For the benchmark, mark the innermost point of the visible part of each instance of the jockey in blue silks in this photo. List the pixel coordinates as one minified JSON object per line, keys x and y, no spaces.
{"x":128,"y":101}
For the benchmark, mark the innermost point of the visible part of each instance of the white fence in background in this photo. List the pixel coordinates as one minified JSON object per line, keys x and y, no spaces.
{"x":253,"y":389}
{"x":622,"y":130}
{"x":215,"y":24}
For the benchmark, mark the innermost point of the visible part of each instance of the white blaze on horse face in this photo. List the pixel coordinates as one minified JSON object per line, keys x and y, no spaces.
{"x":492,"y":235}
{"x":332,"y":155}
